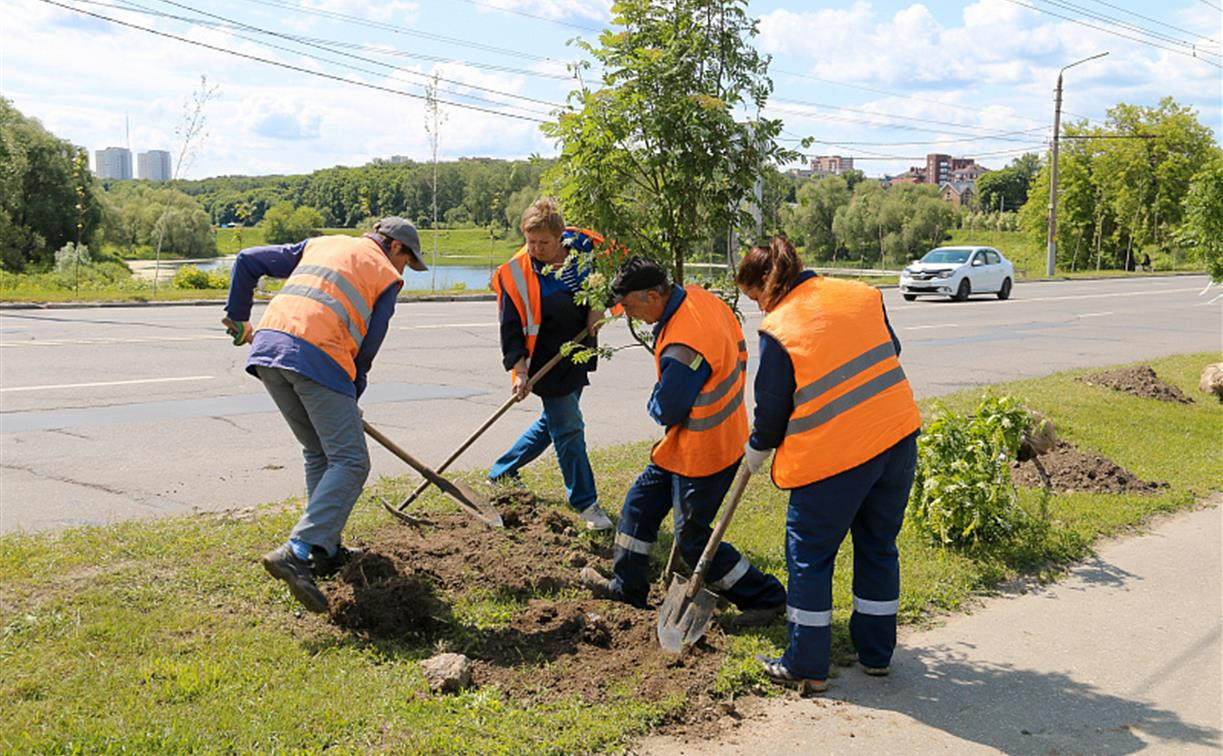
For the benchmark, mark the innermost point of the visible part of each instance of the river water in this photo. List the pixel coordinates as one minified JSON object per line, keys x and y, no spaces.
{"x":444,"y":277}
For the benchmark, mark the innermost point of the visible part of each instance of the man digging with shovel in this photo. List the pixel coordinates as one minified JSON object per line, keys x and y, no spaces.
{"x":701,"y":359}
{"x":312,"y":350}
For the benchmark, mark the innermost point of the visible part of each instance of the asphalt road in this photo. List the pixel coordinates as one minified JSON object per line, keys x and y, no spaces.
{"x":112,"y":413}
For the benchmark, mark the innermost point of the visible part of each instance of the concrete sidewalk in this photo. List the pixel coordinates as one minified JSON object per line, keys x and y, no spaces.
{"x":1122,"y":655}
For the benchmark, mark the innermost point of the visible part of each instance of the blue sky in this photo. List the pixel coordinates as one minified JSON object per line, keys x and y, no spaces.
{"x":885,"y":82}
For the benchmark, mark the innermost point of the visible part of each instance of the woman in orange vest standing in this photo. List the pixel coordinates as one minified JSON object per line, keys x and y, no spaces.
{"x":538,"y":314}
{"x":832,"y":399}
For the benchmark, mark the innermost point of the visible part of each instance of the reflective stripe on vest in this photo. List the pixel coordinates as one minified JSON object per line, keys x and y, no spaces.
{"x":712,"y":436}
{"x":328,"y":299}
{"x":852,"y":400}
{"x":521,"y":287}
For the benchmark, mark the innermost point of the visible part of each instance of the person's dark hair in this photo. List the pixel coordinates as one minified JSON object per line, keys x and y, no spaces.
{"x":774,"y":269}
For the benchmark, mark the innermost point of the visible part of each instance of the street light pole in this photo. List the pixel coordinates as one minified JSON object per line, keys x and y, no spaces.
{"x":1051,"y":239}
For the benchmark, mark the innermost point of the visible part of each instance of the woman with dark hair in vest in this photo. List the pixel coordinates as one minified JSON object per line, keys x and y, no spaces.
{"x":538,"y":315}
{"x":832,"y":399}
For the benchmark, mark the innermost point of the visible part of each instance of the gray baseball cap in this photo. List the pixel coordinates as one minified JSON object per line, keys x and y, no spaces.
{"x":402,"y":230}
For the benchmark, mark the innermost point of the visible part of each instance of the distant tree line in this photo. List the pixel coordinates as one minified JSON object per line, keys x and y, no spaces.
{"x":1123,"y":186}
{"x":482,"y":192}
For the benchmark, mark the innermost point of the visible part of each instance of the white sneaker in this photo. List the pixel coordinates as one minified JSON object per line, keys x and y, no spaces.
{"x":595,"y":518}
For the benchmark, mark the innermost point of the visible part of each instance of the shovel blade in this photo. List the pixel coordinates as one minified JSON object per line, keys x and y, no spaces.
{"x":475,"y":504}
{"x":682,"y":620}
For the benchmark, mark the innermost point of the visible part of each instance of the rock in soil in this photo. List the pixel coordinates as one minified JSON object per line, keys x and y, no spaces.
{"x":1140,"y":381}
{"x":1071,"y":470}
{"x":447,"y":673}
{"x":1211,"y":380}
{"x":561,"y":644}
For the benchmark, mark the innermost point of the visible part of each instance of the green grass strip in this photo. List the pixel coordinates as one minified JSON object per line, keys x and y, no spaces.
{"x":166,"y":636}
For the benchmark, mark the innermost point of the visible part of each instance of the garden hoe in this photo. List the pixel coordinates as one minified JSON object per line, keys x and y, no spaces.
{"x":688,"y":607}
{"x":480,"y":431}
{"x":468,"y":500}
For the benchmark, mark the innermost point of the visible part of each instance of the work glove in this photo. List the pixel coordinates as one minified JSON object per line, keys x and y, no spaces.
{"x":239,"y":330}
{"x":754,"y":458}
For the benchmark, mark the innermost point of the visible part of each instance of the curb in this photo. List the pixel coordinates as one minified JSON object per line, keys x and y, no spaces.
{"x":221,"y":302}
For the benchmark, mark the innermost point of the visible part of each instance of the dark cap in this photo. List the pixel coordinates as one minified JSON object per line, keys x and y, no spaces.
{"x":636,"y":274}
{"x":402,"y":230}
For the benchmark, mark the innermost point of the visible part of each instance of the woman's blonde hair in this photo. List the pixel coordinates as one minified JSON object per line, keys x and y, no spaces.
{"x":543,"y":214}
{"x":773,"y":269}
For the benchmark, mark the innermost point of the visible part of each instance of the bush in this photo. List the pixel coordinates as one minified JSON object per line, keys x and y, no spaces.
{"x":69,"y":256}
{"x":282,"y":224}
{"x":191,"y":277}
{"x":962,"y":491}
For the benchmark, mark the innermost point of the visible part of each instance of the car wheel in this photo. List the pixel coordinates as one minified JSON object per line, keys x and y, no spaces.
{"x":909,"y":297}
{"x":962,"y":293}
{"x":1005,"y":291}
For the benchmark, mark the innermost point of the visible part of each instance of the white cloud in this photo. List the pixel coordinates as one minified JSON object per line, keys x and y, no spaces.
{"x":556,"y":10}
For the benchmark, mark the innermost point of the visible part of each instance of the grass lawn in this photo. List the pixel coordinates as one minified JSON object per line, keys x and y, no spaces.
{"x":455,"y":246}
{"x":167,"y":636}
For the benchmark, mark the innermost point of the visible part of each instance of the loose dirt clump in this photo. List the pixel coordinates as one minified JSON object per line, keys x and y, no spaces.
{"x":1140,"y":381}
{"x":560,"y":643}
{"x":1072,"y":470}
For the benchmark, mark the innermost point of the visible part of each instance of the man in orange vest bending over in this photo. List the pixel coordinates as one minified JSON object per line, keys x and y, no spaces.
{"x":312,"y":350}
{"x":701,"y":359}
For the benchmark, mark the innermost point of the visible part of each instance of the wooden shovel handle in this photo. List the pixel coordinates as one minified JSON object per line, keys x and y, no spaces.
{"x":505,"y":407}
{"x":719,"y":530}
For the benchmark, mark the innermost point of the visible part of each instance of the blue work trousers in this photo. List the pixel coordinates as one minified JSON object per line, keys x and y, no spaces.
{"x":560,"y":425}
{"x":693,"y":502}
{"x":328,"y":426}
{"x":868,"y":501}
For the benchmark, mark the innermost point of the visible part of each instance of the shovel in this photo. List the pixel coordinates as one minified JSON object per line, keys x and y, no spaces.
{"x":487,"y":424}
{"x":688,"y":607}
{"x":470,"y":501}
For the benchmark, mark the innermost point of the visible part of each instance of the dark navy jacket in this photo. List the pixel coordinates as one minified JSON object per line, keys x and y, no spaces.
{"x":560,"y":320}
{"x":679,"y":385}
{"x":774,"y":387}
{"x":281,"y":350}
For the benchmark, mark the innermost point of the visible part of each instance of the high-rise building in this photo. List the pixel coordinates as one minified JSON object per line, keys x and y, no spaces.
{"x":154,"y":165}
{"x":834,"y":165}
{"x":113,"y":163}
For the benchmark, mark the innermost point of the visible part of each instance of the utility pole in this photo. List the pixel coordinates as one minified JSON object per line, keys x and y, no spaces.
{"x":1051,"y":239}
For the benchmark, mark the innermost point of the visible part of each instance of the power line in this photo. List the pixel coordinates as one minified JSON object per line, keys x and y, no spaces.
{"x":517,"y":12}
{"x":300,"y":41}
{"x":1114,"y":33}
{"x":288,"y":66}
{"x":937,"y":141}
{"x":890,"y":93}
{"x":1209,"y":4}
{"x":1154,"y":20}
{"x":884,"y":116}
{"x":397,"y":29}
{"x":1124,"y":24}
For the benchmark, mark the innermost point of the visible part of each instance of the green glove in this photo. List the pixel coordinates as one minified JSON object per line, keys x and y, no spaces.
{"x":239,"y":330}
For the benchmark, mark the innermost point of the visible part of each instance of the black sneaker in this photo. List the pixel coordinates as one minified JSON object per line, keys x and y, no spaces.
{"x":324,"y":566}
{"x":283,"y":564}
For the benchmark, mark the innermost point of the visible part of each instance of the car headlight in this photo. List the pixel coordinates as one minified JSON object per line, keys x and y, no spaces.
{"x":945,"y":273}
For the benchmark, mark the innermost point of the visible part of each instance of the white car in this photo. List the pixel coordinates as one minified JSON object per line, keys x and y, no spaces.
{"x":958,"y":272}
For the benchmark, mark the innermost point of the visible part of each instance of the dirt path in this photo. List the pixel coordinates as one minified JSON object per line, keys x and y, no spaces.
{"x":1122,"y":655}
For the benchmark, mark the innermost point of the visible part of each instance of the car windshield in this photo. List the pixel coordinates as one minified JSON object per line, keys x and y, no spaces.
{"x":947,"y":256}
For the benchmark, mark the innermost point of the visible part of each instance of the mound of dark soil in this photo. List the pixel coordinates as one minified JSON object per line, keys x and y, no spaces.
{"x":1139,"y":381}
{"x":403,"y":584}
{"x":1072,"y":470}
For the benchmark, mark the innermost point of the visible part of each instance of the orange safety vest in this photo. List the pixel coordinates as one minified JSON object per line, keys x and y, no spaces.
{"x":520,"y":283}
{"x":852,"y":400}
{"x":330,"y":296}
{"x":711,"y":438}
